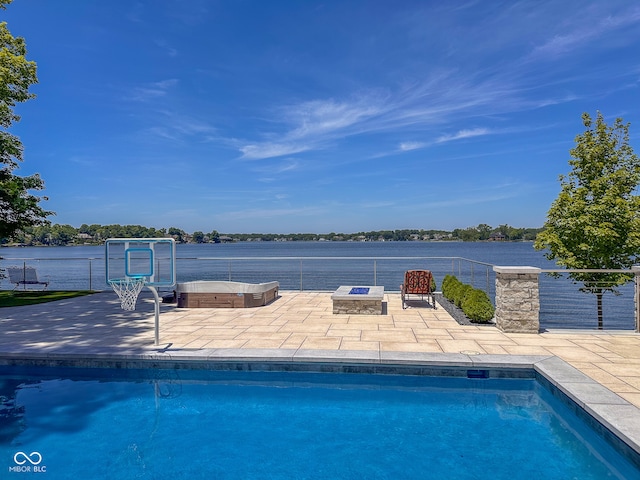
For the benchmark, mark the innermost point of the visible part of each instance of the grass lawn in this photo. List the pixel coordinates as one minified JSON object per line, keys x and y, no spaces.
{"x":17,"y":298}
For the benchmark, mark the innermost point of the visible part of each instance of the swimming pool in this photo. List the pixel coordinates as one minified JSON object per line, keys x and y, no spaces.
{"x":186,"y":424}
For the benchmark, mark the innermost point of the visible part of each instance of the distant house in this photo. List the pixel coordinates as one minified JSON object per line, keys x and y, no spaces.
{"x":497,"y":237}
{"x":225,"y":239}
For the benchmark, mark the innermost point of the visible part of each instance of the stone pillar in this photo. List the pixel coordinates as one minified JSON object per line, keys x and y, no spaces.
{"x":517,"y":299}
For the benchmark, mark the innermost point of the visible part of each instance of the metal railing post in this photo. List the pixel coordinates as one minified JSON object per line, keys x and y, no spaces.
{"x":487,"y":270}
{"x":301,"y":288}
{"x":636,"y":297}
{"x":375,"y":273}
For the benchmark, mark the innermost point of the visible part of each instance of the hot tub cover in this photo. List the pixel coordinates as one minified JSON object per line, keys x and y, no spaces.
{"x":216,"y":286}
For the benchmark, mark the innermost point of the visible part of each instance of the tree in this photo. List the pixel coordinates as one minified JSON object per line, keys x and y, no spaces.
{"x":469,"y":234}
{"x":595,"y":221}
{"x":198,"y":237}
{"x":177,"y":234}
{"x":484,"y":231}
{"x":19,"y":208}
{"x":63,"y":234}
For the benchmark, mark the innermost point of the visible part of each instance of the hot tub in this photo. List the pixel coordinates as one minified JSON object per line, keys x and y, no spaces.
{"x":219,"y":294}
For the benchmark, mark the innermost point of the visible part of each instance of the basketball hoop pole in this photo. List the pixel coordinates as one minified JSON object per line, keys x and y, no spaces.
{"x":157,"y":312}
{"x":132,"y":263}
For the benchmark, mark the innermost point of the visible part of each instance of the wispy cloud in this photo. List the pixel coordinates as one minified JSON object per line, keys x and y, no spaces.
{"x":152,"y":91}
{"x":500,"y":192}
{"x":85,"y":161}
{"x":164,"y":45}
{"x":269,"y":150}
{"x":190,"y":126}
{"x":319,"y":117}
{"x":287,"y":166}
{"x":590,"y":26}
{"x":168,"y":125}
{"x":378,"y":204}
{"x":407,"y":146}
{"x":475,"y":132}
{"x":261,"y":213}
{"x":313,"y":123}
{"x":444,"y":96}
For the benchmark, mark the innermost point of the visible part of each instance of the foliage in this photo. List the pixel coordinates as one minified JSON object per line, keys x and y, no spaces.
{"x":477,"y":306}
{"x":595,"y":221}
{"x":96,"y":234}
{"x":461,"y":294}
{"x":454,"y":290}
{"x":446,"y":284}
{"x":450,"y":287}
{"x":177,"y":233}
{"x":484,"y":232}
{"x":59,"y":235}
{"x":18,"y":207}
{"x":14,"y":298}
{"x":475,"y":303}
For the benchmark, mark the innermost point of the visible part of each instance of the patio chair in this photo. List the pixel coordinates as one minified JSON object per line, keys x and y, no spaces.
{"x":25,"y":276}
{"x":417,"y":282}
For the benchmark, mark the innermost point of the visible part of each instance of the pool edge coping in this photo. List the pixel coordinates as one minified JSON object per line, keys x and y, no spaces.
{"x":611,"y":411}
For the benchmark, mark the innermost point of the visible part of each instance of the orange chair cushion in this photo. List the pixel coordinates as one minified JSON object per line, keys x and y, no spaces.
{"x":417,"y":281}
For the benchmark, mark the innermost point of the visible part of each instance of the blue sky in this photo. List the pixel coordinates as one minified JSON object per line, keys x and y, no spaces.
{"x":306,"y":116}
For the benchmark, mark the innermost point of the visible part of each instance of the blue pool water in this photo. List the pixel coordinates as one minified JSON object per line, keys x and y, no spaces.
{"x":287,"y":425}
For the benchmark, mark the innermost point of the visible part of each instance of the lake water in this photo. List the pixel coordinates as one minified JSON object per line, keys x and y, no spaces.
{"x":326,"y":265}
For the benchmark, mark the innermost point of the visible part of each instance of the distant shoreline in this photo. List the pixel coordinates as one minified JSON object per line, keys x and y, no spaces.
{"x":97,"y":244}
{"x":59,"y":235}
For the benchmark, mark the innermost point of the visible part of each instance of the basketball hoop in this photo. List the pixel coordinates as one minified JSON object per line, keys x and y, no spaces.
{"x":128,"y":289}
{"x":133,"y":263}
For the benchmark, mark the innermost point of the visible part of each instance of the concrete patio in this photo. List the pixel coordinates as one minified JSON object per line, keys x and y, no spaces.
{"x":298,"y":321}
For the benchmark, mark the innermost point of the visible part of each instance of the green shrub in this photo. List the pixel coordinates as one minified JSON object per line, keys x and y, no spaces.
{"x":475,"y":303}
{"x":454,"y":286}
{"x":477,"y":306}
{"x":445,"y":283}
{"x":461,"y":293}
{"x":449,"y":283}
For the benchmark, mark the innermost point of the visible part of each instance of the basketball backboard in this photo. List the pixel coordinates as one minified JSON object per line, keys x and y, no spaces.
{"x":153,"y":259}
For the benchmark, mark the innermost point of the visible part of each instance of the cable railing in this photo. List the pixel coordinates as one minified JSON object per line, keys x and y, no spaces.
{"x":328,"y":273}
{"x":293,"y":273}
{"x":563,"y":303}
{"x":569,"y":303}
{"x":71,"y":273}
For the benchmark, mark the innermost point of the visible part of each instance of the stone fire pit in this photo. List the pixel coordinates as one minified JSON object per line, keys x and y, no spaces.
{"x":358,"y":300}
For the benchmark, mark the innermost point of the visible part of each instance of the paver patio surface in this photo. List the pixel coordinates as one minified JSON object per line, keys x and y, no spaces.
{"x":304,"y":320}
